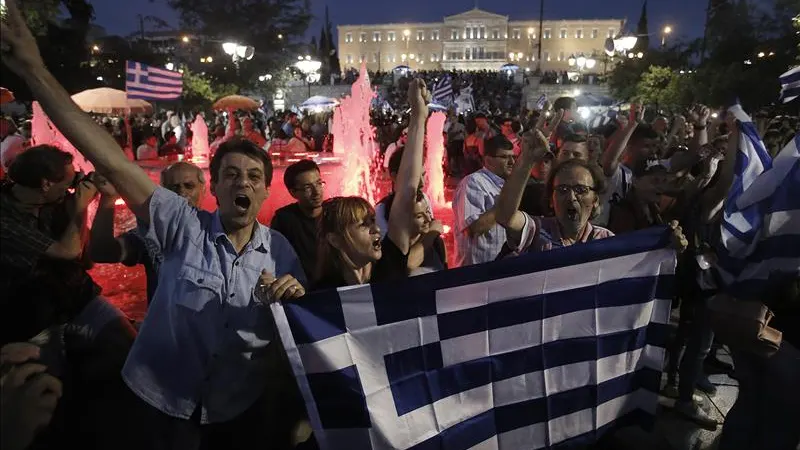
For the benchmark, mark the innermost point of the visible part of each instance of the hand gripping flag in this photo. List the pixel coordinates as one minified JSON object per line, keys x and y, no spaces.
{"x":538,"y":351}
{"x":760,"y":230}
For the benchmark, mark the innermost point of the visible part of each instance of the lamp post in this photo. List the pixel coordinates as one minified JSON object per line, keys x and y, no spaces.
{"x":666,"y":31}
{"x":238,"y":52}
{"x":309,"y":68}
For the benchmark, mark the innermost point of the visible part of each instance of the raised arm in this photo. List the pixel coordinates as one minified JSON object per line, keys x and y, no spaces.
{"x":21,"y":55}
{"x":613,"y":153}
{"x":408,"y":177}
{"x":104,"y":247}
{"x":534,"y":145}
{"x":714,"y":197}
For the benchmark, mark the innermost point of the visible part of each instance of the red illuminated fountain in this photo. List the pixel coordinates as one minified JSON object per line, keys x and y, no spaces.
{"x":354,"y":139}
{"x":355,"y":147}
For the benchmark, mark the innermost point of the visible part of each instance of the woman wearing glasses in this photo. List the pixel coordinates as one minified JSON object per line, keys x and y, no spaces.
{"x":573,"y":189}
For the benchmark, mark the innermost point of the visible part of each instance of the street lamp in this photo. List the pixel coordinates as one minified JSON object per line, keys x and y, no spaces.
{"x":185,"y":39}
{"x":238,"y":52}
{"x":309,"y":68}
{"x":169,"y":66}
{"x":667,"y":30}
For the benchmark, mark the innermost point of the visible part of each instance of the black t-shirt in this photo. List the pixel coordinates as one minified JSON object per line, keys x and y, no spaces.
{"x":393,"y":265}
{"x":533,"y":201}
{"x":301,"y":231}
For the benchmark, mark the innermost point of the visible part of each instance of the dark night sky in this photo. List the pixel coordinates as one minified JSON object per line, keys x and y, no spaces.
{"x":685,"y":16}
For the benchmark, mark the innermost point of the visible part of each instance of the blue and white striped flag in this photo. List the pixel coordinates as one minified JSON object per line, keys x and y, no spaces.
{"x":541,"y":101}
{"x":443,"y":91}
{"x":790,"y":85}
{"x":537,"y":351}
{"x":151,"y":83}
{"x":760,"y":227}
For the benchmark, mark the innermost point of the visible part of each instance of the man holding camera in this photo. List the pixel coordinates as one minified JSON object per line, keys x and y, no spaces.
{"x":48,"y":296}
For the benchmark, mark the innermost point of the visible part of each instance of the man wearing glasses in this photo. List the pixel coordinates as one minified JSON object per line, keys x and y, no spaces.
{"x":298,"y":221}
{"x":479,"y":238}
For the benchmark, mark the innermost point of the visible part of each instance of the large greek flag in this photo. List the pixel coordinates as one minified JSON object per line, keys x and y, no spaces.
{"x":538,"y":351}
{"x":761,"y":223}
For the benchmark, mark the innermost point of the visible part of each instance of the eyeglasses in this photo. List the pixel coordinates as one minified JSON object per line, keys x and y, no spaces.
{"x":579,"y":189}
{"x":308,"y":188}
{"x":505,"y":157}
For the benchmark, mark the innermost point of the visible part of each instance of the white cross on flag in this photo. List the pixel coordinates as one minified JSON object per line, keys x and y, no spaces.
{"x":537,"y":351}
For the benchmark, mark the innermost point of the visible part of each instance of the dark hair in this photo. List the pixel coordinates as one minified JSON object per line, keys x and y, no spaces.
{"x":576,"y":138}
{"x":598,"y":177}
{"x":395,"y":159}
{"x":43,"y":162}
{"x":495,"y":144}
{"x":516,"y":126}
{"x":644,"y":131}
{"x":244,"y":147}
{"x":564,"y":103}
{"x":168,"y":135}
{"x":295,"y":170}
{"x":471,"y":127}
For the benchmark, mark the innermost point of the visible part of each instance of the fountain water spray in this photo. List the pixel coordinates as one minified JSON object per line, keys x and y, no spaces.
{"x":434,"y":173}
{"x":354,"y":140}
{"x":43,"y":132}
{"x":199,"y":139}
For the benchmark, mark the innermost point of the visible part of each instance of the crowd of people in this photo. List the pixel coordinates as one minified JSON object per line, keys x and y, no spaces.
{"x":204,"y":369}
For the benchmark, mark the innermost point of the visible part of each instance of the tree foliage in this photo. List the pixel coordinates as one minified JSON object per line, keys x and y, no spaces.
{"x":199,"y":91}
{"x":747,"y":48}
{"x":271,"y":26}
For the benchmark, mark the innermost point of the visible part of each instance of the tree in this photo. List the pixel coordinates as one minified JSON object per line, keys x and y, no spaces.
{"x":62,"y":43}
{"x":200,"y":91}
{"x":663,"y":87}
{"x":271,"y":26}
{"x":643,"y":41}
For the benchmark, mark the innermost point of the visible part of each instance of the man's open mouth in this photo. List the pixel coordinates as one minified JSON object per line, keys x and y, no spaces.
{"x":242,"y":202}
{"x":376,"y":243}
{"x":573,"y":214}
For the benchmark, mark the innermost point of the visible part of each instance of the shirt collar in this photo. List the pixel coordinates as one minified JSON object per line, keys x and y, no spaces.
{"x":495,"y":179}
{"x":260,"y":240}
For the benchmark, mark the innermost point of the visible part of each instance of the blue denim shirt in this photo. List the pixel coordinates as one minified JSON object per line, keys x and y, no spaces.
{"x":205,"y":338}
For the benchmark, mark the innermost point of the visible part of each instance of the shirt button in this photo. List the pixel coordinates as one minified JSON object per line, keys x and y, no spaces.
{"x":236,"y":263}
{"x":233,"y":295}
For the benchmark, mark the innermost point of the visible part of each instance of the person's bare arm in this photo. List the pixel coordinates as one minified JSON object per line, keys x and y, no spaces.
{"x":410,"y":172}
{"x":89,"y":138}
{"x":416,"y":254}
{"x":483,"y":224}
{"x":104,"y":247}
{"x":70,"y":245}
{"x":715,"y":196}
{"x":619,"y":141}
{"x":508,"y":214}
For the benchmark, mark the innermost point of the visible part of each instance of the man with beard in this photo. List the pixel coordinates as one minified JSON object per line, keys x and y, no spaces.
{"x":298,"y":221}
{"x":205,"y":365}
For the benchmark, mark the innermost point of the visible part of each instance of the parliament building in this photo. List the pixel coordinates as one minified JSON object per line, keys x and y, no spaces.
{"x":474,"y":40}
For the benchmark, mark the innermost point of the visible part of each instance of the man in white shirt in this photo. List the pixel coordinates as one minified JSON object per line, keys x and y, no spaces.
{"x":479,"y":238}
{"x":148,"y":150}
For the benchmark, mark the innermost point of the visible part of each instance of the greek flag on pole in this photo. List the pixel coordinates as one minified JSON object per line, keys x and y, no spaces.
{"x":443,"y":91}
{"x":760,"y":227}
{"x":790,"y":85}
{"x":539,"y":351}
{"x":151,"y":83}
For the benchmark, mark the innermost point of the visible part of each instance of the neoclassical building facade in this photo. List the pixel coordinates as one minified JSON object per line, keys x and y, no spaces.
{"x":474,"y":40}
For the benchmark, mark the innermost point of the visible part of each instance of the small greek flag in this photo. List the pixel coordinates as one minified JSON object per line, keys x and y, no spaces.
{"x":790,"y":85}
{"x":541,"y":102}
{"x":443,"y":91}
{"x":760,"y":228}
